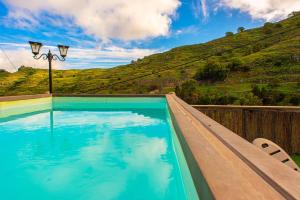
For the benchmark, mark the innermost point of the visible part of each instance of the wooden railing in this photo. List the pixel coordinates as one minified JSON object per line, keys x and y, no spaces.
{"x":278,"y":124}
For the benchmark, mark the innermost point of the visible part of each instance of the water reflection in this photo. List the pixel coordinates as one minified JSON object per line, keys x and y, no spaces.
{"x":89,"y":155}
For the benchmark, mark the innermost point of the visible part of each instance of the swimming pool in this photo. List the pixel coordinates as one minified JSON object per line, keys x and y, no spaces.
{"x":91,"y":148}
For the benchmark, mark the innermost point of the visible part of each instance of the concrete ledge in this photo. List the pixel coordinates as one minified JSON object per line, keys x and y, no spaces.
{"x":232,"y":167}
{"x":23,"y":97}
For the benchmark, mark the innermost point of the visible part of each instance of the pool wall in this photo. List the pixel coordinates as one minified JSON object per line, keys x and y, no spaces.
{"x":9,"y":109}
{"x":199,"y":181}
{"x":189,"y":185}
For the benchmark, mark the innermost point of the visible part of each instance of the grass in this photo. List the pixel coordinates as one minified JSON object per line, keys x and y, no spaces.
{"x":296,"y":158}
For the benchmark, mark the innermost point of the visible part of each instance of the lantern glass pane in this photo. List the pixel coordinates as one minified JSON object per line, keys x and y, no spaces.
{"x":63,"y":50}
{"x":35,"y":47}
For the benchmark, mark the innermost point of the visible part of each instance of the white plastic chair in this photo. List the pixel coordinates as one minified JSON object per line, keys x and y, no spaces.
{"x":276,"y":152}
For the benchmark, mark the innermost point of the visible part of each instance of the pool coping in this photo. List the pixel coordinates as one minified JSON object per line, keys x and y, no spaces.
{"x":243,"y":171}
{"x":23,"y":97}
{"x":36,"y":96}
{"x":108,"y":95}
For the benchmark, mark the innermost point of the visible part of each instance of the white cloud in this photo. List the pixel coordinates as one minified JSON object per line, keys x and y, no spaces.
{"x":106,"y":19}
{"x":200,"y":7}
{"x":104,"y":57}
{"x":269,"y":10}
{"x":204,"y":8}
{"x":12,"y":56}
{"x":187,"y":30}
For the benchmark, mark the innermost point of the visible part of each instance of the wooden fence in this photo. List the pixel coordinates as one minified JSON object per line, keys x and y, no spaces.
{"x":278,"y":124}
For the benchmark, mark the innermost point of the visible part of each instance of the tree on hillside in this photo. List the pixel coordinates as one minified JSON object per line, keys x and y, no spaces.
{"x":268,"y":24}
{"x":229,"y":34}
{"x":188,"y":91}
{"x":3,"y":71}
{"x":241,"y":29}
{"x":294,"y":13}
{"x":212,"y":71}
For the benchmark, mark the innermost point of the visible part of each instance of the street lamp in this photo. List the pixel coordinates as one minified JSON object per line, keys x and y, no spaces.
{"x":35,"y":48}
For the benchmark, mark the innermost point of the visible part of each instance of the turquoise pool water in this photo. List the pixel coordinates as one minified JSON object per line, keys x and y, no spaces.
{"x":91,"y":148}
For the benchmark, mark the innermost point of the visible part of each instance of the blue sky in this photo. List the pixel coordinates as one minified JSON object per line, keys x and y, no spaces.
{"x":105,"y":34}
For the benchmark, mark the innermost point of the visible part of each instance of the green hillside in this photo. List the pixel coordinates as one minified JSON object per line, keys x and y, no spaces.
{"x":257,"y":66}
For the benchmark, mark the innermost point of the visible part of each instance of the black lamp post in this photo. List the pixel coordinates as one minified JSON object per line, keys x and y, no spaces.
{"x":36,"y":46}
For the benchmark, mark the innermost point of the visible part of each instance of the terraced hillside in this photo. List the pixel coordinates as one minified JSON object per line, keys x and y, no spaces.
{"x":257,"y":66}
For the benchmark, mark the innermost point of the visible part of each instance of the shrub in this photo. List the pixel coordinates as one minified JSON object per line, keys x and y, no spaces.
{"x":225,"y":100}
{"x":295,"y":100}
{"x":205,"y":99}
{"x":235,"y":64}
{"x":182,"y":71}
{"x":58,"y":75}
{"x":250,"y":99}
{"x":268,"y":24}
{"x":267,"y":29}
{"x":3,"y":71}
{"x":212,"y":71}
{"x":188,"y":91}
{"x":229,"y":34}
{"x":268,"y":95}
{"x":256,"y":90}
{"x":278,"y":63}
{"x":263,"y":93}
{"x":278,"y":25}
{"x":256,"y":47}
{"x":274,"y":83}
{"x":245,"y":68}
{"x":153,"y":87}
{"x":219,"y":52}
{"x":216,"y":98}
{"x":278,"y":97}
